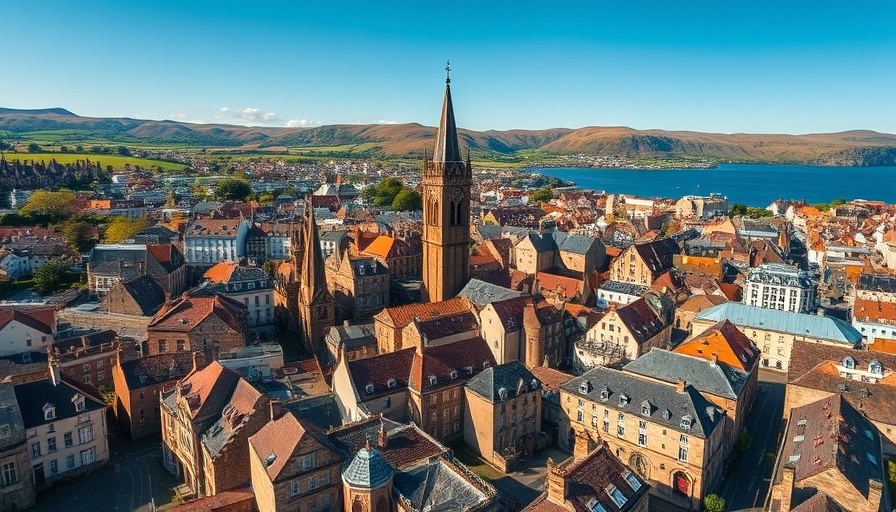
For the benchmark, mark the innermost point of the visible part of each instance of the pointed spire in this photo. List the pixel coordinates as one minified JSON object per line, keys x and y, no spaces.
{"x":313,"y":275}
{"x":447,"y":148}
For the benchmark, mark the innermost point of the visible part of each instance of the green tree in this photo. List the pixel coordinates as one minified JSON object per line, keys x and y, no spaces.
{"x":52,"y":275}
{"x":407,"y":200}
{"x":757,"y":213}
{"x":383,"y":194}
{"x":124,"y":151}
{"x":714,"y":503}
{"x":48,"y":206}
{"x":542,"y":195}
{"x":743,"y":442}
{"x":233,"y":189}
{"x":79,"y":235}
{"x":79,"y":148}
{"x":737,"y":209}
{"x":122,"y":228}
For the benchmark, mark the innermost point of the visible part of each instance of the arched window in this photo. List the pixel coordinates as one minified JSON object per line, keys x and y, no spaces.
{"x":681,"y":484}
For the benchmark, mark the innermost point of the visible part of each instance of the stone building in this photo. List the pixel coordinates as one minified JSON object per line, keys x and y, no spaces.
{"x":780,"y":286}
{"x":139,"y":296}
{"x":672,"y":437}
{"x":360,"y":286}
{"x":87,"y":360}
{"x":643,"y":262}
{"x":390,"y":323}
{"x":111,"y":263}
{"x":208,"y":241}
{"x":293,"y":466}
{"x":199,"y":320}
{"x":524,"y":329}
{"x":502,"y":418}
{"x":446,"y":212}
{"x":402,"y":257}
{"x":249,"y":285}
{"x":625,"y":333}
{"x":207,"y":419}
{"x":16,"y":484}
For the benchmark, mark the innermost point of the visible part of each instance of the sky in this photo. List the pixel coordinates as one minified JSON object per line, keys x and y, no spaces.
{"x":730,"y":66}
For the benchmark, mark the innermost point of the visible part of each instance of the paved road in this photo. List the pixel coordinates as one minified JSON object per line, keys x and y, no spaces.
{"x":133,"y":481}
{"x":747,"y":483}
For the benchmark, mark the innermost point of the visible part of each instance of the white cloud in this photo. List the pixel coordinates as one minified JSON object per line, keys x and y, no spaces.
{"x":248,"y":114}
{"x":301,"y":123}
{"x":383,"y":121}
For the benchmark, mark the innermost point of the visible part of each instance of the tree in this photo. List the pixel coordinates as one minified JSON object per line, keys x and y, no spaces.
{"x":714,"y":503}
{"x":233,"y":189}
{"x":743,"y":442}
{"x":407,"y":200}
{"x":122,"y":228}
{"x":33,"y":148}
{"x":124,"y":151}
{"x":79,"y":235}
{"x":737,"y":209}
{"x":79,"y":148}
{"x":383,"y":194}
{"x":542,"y":195}
{"x":48,"y":206}
{"x":52,"y":275}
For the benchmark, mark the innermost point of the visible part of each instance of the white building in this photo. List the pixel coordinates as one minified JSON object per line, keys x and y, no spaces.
{"x":782,"y":287}
{"x":66,"y":430}
{"x":250,"y":286}
{"x":26,"y":329}
{"x":208,"y":241}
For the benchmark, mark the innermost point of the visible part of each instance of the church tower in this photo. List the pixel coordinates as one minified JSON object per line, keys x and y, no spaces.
{"x":317,"y":308}
{"x":446,"y":211}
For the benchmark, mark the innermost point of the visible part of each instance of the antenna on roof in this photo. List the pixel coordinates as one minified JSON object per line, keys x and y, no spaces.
{"x":448,"y":72}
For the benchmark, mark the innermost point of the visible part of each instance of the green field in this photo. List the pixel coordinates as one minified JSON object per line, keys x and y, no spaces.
{"x":116,"y":161}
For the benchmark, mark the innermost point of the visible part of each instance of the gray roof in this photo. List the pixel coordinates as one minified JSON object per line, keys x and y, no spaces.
{"x":437,"y":487}
{"x":781,"y":274}
{"x":332,"y":236}
{"x":798,"y":324}
{"x":489,"y":231}
{"x":573,"y":243}
{"x":659,"y":396}
{"x":627,"y":288}
{"x":368,"y":469}
{"x":543,"y":242}
{"x":482,"y":293}
{"x":366,"y":267}
{"x":146,"y":292}
{"x":717,"y":379}
{"x":33,"y":396}
{"x":882,"y":283}
{"x":10,"y":415}
{"x":352,"y":336}
{"x":513,"y":378}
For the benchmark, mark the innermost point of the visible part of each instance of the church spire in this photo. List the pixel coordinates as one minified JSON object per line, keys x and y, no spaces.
{"x":313,"y":275}
{"x":447,"y":147}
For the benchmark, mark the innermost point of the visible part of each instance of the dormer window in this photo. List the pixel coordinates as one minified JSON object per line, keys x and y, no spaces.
{"x":875,"y":367}
{"x":534,"y":384}
{"x":469,"y":370}
{"x":433,"y":380}
{"x":485,"y":365}
{"x":585,"y":387}
{"x":368,"y":389}
{"x":502,"y":393}
{"x":391,"y":383}
{"x":667,"y":414}
{"x":453,"y":374}
{"x":79,"y":402}
{"x":605,"y":393}
{"x":849,"y":363}
{"x":49,"y":412}
{"x":623,"y":399}
{"x":686,"y":421}
{"x":646,"y":408}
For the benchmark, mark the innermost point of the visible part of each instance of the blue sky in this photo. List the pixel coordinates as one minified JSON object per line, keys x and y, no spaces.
{"x":761,"y":66}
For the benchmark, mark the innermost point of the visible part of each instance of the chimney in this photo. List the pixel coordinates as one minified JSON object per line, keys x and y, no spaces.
{"x":556,"y":484}
{"x":55,"y":376}
{"x":681,"y":385}
{"x":715,"y":359}
{"x":346,"y":323}
{"x":275,"y":409}
{"x":783,"y":492}
{"x":196,"y":363}
{"x":382,"y":439}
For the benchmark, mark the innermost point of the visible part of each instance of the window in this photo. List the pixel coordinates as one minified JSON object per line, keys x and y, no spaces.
{"x":163,"y":346}
{"x":683,"y":453}
{"x":686,"y":421}
{"x":35,"y":450}
{"x":646,"y":409}
{"x":642,"y":433}
{"x":10,"y":476}
{"x":620,"y":425}
{"x":616,"y":495}
{"x":312,"y":483}
{"x":293,"y":488}
{"x":308,"y":462}
{"x":67,"y":439}
{"x":849,"y":363}
{"x":683,"y":439}
{"x":580,"y":416}
{"x":607,"y":425}
{"x":54,"y":467}
{"x":51,"y":444}
{"x":181,"y":345}
{"x":632,"y":481}
{"x":86,"y":368}
{"x":324,"y":478}
{"x":49,"y":412}
{"x":70,"y":462}
{"x":875,"y":367}
{"x":87,"y":457}
{"x":595,"y":506}
{"x":85,"y":434}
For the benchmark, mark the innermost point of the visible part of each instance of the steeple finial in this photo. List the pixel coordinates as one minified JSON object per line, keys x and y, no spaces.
{"x":448,"y":72}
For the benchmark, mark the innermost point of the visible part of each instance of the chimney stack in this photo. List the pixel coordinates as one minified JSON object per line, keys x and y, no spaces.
{"x":715,"y":359}
{"x":681,"y":385}
{"x":196,"y":364}
{"x":382,"y":439}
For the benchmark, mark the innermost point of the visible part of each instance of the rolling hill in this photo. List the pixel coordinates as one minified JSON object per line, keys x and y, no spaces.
{"x":403,"y":140}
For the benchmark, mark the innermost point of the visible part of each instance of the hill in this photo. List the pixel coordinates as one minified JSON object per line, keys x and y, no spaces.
{"x":862,"y":148}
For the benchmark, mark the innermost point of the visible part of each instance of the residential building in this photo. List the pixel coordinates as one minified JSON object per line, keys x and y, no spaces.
{"x":553,"y":420}
{"x":200,"y":320}
{"x":66,"y":430}
{"x":207,"y":419}
{"x":502,"y":419}
{"x":137,"y":385}
{"x":524,"y":329}
{"x":209,"y":241}
{"x":16,"y":485}
{"x":686,"y":311}
{"x":87,"y":360}
{"x":294,"y":466}
{"x":360,"y":286}
{"x":702,"y":207}
{"x":830,"y":447}
{"x":775,"y":332}
{"x":780,"y":286}
{"x":626,"y":332}
{"x":672,"y":437}
{"x":355,"y":341}
{"x":865,"y":379}
{"x":875,"y":319}
{"x":250,"y":285}
{"x":332,"y":241}
{"x":26,"y":329}
{"x":598,"y":482}
{"x":140,"y":296}
{"x":403,"y":258}
{"x":556,"y":249}
{"x":111,"y":263}
{"x":620,"y":293}
{"x":641,"y":263}
{"x":446,"y":212}
{"x":390,"y":323}
{"x":374,"y":385}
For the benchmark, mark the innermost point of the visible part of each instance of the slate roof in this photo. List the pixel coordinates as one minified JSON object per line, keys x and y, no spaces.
{"x":781,"y":274}
{"x":513,"y":378}
{"x":406,"y":447}
{"x":282,"y":438}
{"x":377,"y":370}
{"x":543,"y":242}
{"x":641,"y":320}
{"x":366,"y":267}
{"x":229,"y":271}
{"x":320,"y":410}
{"x":448,"y":325}
{"x":157,"y":369}
{"x":242,"y":404}
{"x":627,"y":288}
{"x":798,"y":324}
{"x":466,"y":357}
{"x":145,"y":291}
{"x":576,"y":244}
{"x":880,"y":283}
{"x":835,"y":436}
{"x":441,"y":486}
{"x":716,"y":379}
{"x":368,"y":469}
{"x":32,"y":397}
{"x":481,"y":293}
{"x":819,"y":502}
{"x":658,"y":254}
{"x":352,"y":336}
{"x":11,"y":415}
{"x":510,"y":312}
{"x":660,"y":396}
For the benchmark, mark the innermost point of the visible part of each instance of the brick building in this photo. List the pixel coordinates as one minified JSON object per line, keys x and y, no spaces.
{"x":360,"y":286}
{"x":139,"y":296}
{"x":195,"y":321}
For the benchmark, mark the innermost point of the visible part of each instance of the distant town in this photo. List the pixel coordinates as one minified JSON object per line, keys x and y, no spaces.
{"x":184,"y":333}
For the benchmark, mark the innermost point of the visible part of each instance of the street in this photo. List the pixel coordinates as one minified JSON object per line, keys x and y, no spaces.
{"x":748,"y":480}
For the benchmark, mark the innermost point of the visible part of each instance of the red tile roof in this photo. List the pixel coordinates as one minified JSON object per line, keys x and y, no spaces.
{"x":282,"y":437}
{"x":725,"y":341}
{"x":230,"y":501}
{"x":551,"y":379}
{"x":406,"y":446}
{"x":381,"y":246}
{"x":221,"y":272}
{"x":401,"y":316}
{"x":187,"y":312}
{"x":379,"y":369}
{"x":876,"y":311}
{"x":42,"y":319}
{"x":566,"y":287}
{"x":208,"y":390}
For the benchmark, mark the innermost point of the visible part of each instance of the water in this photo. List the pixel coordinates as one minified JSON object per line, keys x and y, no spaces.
{"x":753,"y":185}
